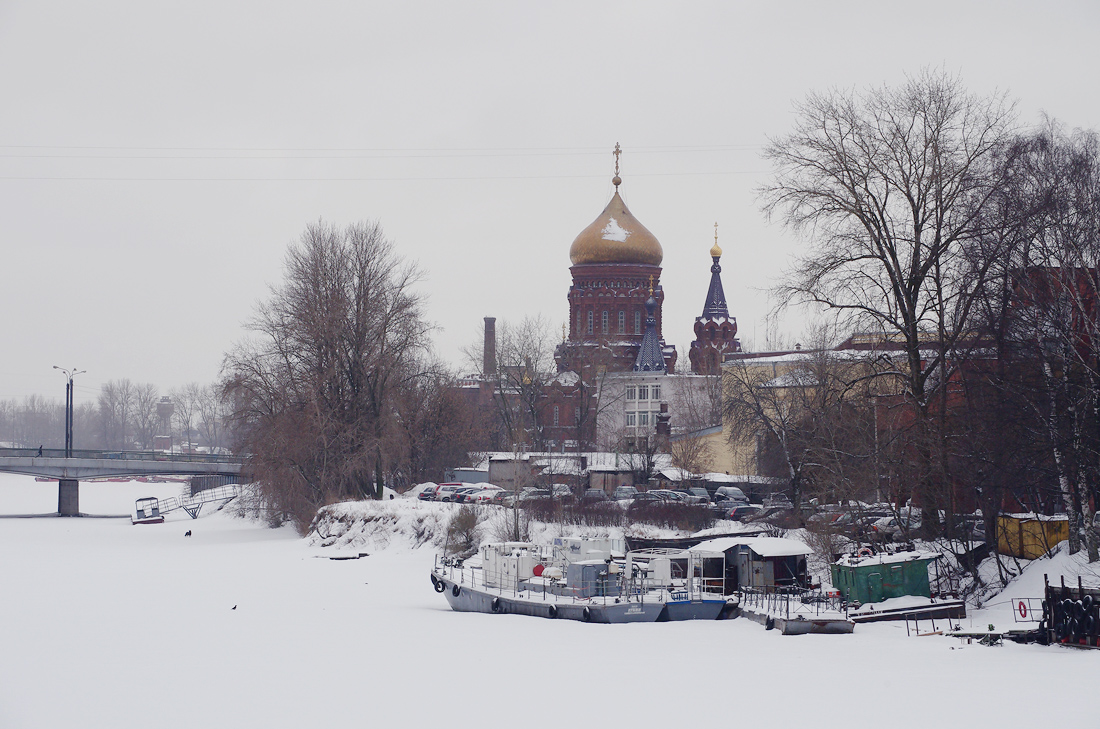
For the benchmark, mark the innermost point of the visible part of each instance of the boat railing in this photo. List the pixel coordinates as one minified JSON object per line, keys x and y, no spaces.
{"x":785,"y":602}
{"x":508,"y":583}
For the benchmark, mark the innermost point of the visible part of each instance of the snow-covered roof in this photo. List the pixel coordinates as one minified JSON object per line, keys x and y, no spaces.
{"x":764,"y":546}
{"x":854,"y":560}
{"x":728,"y":478}
{"x":1032,"y":516}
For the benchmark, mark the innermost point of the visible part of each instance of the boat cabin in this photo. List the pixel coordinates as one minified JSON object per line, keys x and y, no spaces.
{"x":872,"y":578}
{"x":147,"y":511}
{"x":760,"y":561}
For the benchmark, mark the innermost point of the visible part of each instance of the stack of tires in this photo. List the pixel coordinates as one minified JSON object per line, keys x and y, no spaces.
{"x":1072,"y":621}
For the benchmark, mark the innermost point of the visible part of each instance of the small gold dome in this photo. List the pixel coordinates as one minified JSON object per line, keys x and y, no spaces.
{"x":715,"y":251}
{"x":616,"y":236}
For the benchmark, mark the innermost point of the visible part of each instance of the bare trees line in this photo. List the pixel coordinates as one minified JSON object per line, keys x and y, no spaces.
{"x":123,"y":417}
{"x":968,"y":249}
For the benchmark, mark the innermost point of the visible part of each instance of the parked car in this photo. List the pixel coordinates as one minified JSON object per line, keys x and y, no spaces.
{"x":534,"y":495}
{"x":481,"y":495}
{"x":741,"y":512}
{"x":891,"y":528}
{"x":592,"y":496}
{"x":624,"y":492}
{"x":427,"y":494}
{"x":447,"y":491}
{"x":694,"y":495}
{"x":462,"y":496}
{"x":561,"y":491}
{"x":779,"y":501}
{"x":730,"y":493}
{"x":668,"y":495}
{"x":644,"y":500}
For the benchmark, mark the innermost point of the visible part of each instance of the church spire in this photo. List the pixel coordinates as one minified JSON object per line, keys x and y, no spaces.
{"x":715,"y":306}
{"x":650,"y":358}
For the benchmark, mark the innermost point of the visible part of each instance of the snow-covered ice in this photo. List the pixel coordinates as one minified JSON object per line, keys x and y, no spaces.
{"x":107,"y":624}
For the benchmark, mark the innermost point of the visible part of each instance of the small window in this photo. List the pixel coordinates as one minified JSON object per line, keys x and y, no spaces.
{"x":580,"y":323}
{"x":643,"y":392}
{"x":622,"y":322}
{"x":556,"y":414}
{"x":637,"y":322}
{"x":603,"y":322}
{"x":631,"y":394}
{"x":590,"y":322}
{"x":630,"y":419}
{"x":643,"y":418}
{"x":655,"y":392}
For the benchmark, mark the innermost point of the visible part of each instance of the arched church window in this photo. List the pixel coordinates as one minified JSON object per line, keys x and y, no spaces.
{"x":637,"y":322}
{"x":590,"y":322}
{"x":603,"y":322}
{"x":622,"y":322}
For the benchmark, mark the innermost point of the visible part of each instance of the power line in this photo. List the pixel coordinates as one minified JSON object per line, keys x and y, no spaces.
{"x":368,"y":179}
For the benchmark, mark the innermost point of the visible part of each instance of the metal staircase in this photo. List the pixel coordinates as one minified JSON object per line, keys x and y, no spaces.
{"x":193,"y":503}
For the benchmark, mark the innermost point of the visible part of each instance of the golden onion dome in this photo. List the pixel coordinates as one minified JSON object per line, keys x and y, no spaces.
{"x":616,"y":236}
{"x":715,"y":251}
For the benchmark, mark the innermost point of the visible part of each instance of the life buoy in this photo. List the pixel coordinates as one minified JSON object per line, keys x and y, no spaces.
{"x":456,"y":590}
{"x":586,"y":614}
{"x":865,"y":552}
{"x":440,"y":586}
{"x":1022,"y":609}
{"x":495,"y":605}
{"x":552,"y":611}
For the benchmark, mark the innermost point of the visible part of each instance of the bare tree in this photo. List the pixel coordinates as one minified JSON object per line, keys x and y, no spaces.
{"x":889,"y":185}
{"x":145,"y":414}
{"x":315,"y":391}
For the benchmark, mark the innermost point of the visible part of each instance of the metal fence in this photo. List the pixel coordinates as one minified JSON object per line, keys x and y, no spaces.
{"x":121,"y":455}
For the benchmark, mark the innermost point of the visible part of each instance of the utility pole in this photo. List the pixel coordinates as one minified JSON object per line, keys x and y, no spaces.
{"x":69,"y":375}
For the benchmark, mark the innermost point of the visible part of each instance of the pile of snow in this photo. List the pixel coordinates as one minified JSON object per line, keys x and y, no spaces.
{"x":379,"y":525}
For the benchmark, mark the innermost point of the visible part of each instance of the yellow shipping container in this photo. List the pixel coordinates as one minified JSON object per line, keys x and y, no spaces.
{"x":1030,"y":536}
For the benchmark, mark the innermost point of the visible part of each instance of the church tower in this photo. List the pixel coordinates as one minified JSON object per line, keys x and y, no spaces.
{"x":715,"y":330}
{"x":616,"y":269}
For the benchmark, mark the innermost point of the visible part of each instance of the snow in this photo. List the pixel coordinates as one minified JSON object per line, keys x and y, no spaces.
{"x":108,"y":624}
{"x":764,"y":546}
{"x":894,"y":603}
{"x":853,"y":560}
{"x":614,"y":231}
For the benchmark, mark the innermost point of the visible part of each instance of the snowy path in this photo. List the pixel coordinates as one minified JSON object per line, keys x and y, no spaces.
{"x":107,"y":624}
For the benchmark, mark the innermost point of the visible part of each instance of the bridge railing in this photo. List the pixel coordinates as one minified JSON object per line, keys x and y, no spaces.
{"x":121,"y":455}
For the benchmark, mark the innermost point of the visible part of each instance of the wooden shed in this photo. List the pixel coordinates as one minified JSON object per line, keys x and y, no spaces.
{"x":1030,"y":536}
{"x":878,"y":577}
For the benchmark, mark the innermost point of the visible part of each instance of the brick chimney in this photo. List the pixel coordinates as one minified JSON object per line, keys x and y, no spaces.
{"x":489,"y":354}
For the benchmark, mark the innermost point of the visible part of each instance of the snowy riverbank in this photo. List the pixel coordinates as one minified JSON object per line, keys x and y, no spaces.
{"x":108,"y":624}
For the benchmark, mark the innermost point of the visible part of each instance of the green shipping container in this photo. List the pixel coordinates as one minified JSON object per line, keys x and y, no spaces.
{"x":880,"y":577}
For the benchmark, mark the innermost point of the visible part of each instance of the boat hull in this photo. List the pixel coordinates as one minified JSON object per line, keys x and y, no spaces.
{"x":693,"y":610}
{"x":464,"y":598}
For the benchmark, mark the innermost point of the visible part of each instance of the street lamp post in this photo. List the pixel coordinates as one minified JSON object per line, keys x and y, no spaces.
{"x":69,"y":375}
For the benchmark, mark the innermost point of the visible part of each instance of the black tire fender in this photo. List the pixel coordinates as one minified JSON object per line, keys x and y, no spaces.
{"x":456,"y":590}
{"x":586,"y":614}
{"x":495,"y":605}
{"x":552,"y":611}
{"x":440,"y":586}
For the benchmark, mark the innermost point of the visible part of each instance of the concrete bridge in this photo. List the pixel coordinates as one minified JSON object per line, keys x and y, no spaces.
{"x":52,"y":463}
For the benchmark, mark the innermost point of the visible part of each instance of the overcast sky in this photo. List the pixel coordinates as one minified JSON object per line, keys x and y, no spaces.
{"x":157,"y":158}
